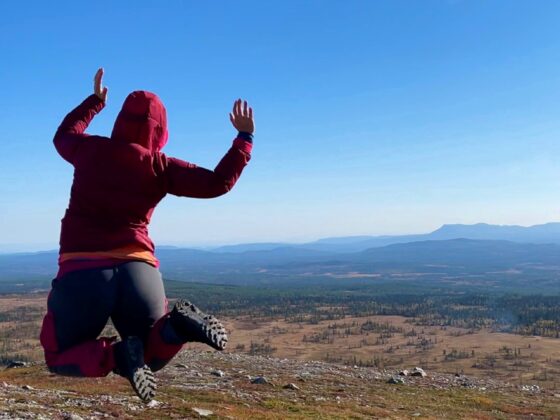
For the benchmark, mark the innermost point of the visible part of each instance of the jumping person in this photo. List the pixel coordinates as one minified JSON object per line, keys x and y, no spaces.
{"x":107,"y":266}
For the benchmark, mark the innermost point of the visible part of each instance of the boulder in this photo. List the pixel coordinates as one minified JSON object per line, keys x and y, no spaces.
{"x":261,"y":380}
{"x":72,"y":416}
{"x":16,"y":364}
{"x":153,"y":404}
{"x":202,"y":412}
{"x":418,"y":372}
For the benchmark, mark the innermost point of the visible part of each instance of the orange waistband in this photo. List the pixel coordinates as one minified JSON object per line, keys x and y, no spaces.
{"x":130,"y":252}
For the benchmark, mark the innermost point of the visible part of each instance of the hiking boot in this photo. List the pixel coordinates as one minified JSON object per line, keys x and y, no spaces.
{"x":129,"y":360}
{"x":191,"y":324}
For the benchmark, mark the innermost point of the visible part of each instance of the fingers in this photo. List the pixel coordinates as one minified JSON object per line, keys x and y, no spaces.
{"x":242,"y":116}
{"x":97,"y":83}
{"x":98,"y":74}
{"x":242,"y":109}
{"x":98,"y":89}
{"x":237,"y":112}
{"x":98,"y":77}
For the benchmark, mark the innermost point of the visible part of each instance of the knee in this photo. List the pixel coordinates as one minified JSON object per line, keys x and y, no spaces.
{"x":48,"y":334}
{"x":65,"y":370}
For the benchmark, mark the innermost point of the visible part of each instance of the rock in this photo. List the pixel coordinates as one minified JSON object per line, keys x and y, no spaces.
{"x":395,"y":380}
{"x":218,"y":373}
{"x":181,"y":365}
{"x":72,"y":416}
{"x":202,"y":412}
{"x":28,"y":387}
{"x":530,"y":388}
{"x":260,"y":380}
{"x":291,"y":386}
{"x":418,"y":372}
{"x":16,"y":364}
{"x":404,"y":372}
{"x":153,"y":404}
{"x":463,"y":381}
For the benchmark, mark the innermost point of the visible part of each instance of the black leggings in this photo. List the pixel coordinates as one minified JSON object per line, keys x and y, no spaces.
{"x":80,"y":305}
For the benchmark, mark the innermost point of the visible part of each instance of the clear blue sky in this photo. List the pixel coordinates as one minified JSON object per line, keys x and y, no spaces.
{"x":373,"y":117}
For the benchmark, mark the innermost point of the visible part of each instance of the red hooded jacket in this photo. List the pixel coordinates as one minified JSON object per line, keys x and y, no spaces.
{"x":118,"y":181}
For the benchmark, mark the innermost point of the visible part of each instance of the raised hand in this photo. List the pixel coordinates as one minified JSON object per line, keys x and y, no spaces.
{"x":242,"y":117}
{"x":98,"y":88}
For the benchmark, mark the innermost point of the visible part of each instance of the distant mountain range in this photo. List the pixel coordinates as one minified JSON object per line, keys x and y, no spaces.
{"x":548,"y":233}
{"x":509,"y":253}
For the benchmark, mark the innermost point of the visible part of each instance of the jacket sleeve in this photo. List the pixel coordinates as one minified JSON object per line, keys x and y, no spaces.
{"x":186,"y":179}
{"x":70,"y":133}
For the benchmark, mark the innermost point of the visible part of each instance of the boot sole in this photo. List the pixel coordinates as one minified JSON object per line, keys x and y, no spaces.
{"x":144,"y":383}
{"x":214,"y":333}
{"x":139,"y":375}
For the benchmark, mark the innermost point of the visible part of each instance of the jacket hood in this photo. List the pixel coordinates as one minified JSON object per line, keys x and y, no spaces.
{"x":142,"y":120}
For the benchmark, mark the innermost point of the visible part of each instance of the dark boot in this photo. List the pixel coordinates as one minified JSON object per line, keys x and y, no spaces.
{"x":129,"y":360}
{"x":191,"y":324}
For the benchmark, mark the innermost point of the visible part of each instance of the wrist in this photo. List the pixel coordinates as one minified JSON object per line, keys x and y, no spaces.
{"x":95,"y":102}
{"x":95,"y":97}
{"x":245,"y":135}
{"x":243,"y":144}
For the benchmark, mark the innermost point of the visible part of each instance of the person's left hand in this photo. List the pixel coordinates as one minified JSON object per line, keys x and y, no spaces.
{"x":98,"y":89}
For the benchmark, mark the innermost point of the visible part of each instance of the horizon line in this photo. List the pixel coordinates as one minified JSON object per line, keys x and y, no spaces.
{"x":44,"y":248}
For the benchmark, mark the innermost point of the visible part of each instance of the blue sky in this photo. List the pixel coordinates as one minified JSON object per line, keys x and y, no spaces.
{"x":373,"y":117}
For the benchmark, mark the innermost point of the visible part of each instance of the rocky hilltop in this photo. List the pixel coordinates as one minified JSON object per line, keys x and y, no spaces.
{"x":200,"y":384}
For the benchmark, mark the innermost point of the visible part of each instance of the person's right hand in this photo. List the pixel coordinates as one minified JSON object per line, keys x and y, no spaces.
{"x":98,"y":89}
{"x":242,"y":117}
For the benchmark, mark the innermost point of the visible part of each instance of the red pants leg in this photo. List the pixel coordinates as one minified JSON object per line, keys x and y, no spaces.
{"x":162,"y":344}
{"x":78,"y":308}
{"x":92,"y":358}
